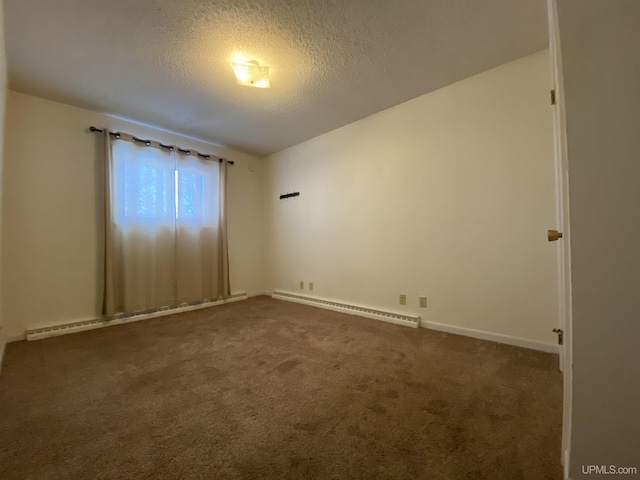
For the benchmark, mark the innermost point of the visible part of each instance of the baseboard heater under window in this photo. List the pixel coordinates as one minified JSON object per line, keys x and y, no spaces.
{"x":391,"y":317}
{"x":54,"y":331}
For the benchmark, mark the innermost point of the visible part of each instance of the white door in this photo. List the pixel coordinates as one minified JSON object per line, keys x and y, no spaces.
{"x":562,"y":244}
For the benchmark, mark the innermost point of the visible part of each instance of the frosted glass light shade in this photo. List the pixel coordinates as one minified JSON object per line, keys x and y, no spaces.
{"x":251,"y":74}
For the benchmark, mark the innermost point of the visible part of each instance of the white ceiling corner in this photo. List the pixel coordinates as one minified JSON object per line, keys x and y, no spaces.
{"x":167,"y":63}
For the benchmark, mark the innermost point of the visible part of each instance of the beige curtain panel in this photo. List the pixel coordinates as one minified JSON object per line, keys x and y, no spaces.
{"x":165,"y":228}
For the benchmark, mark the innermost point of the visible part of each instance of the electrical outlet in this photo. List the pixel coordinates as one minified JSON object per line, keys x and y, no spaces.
{"x":403,"y":299}
{"x":423,"y":302}
{"x":301,"y":285}
{"x":310,"y":285}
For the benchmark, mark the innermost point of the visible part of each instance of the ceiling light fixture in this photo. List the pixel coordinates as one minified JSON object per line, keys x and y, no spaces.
{"x":251,"y":74}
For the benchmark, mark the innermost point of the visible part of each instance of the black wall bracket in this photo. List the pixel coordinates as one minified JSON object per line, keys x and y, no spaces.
{"x":289,"y":195}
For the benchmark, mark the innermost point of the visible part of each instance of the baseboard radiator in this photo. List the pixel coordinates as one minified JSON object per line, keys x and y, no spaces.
{"x":390,"y":317}
{"x":67,"y":328}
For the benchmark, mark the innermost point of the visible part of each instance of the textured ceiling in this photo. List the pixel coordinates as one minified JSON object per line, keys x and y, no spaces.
{"x":167,"y":62}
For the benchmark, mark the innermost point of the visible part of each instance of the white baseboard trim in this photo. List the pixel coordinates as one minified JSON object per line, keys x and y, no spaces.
{"x":494,"y":337}
{"x":16,"y":338}
{"x":257,"y":294}
{"x":65,"y":329}
{"x":359,"y":310}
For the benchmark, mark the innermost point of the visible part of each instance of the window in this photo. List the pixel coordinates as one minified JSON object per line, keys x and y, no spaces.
{"x":190,"y":195}
{"x":159,"y":186}
{"x":145,"y":191}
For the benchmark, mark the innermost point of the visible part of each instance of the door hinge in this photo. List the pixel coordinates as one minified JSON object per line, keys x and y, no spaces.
{"x":560,"y":335}
{"x":553,"y":97}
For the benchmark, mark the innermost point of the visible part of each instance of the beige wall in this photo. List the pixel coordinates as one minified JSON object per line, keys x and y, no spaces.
{"x":448,"y":195}
{"x":3,"y":96}
{"x":600,"y":42}
{"x":51,"y":219}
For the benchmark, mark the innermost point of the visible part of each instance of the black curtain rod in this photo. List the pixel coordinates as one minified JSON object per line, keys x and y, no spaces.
{"x":168,"y":147}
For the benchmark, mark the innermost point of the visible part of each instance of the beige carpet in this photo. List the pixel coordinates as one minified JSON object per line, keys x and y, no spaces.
{"x":264,"y":389}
